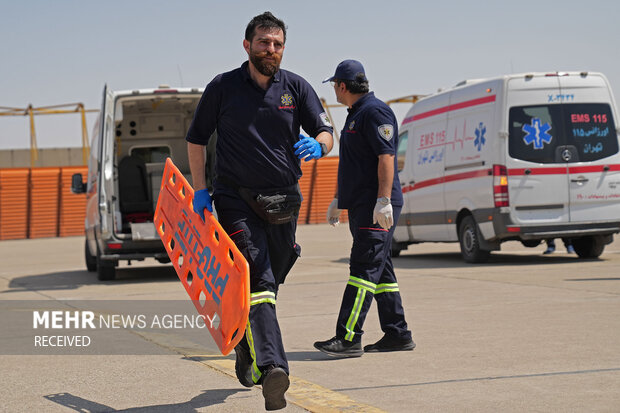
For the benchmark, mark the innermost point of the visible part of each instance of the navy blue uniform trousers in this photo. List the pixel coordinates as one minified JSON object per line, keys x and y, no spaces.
{"x":371,"y":275}
{"x":271,"y":251}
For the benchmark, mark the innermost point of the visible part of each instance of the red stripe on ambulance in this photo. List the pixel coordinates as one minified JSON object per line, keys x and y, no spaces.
{"x":450,"y":108}
{"x":447,"y":178}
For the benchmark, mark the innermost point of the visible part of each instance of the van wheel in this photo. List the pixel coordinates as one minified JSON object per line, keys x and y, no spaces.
{"x":469,"y":238}
{"x":106,"y":270}
{"x":91,"y":262}
{"x":589,"y":247}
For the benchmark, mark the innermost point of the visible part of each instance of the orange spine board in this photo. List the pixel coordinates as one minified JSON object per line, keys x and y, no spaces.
{"x":210,"y":266}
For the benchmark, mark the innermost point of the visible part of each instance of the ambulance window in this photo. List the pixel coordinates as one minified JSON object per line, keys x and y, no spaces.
{"x":591,"y":130}
{"x":543,"y":133}
{"x":402,"y":150}
{"x":533,"y":134}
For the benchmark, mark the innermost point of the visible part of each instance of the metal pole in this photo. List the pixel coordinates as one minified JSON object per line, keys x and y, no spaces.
{"x":85,"y":145}
{"x":331,"y":119}
{"x":34,"y":156}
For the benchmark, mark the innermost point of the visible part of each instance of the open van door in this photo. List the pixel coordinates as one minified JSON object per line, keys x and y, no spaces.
{"x":537,"y":172}
{"x":105,"y":182}
{"x":105,"y":167}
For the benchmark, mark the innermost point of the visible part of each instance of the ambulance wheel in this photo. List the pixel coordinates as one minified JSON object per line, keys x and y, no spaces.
{"x":589,"y":247}
{"x":91,"y":262}
{"x":530,"y":243}
{"x":470,"y":241}
{"x":397,"y":247}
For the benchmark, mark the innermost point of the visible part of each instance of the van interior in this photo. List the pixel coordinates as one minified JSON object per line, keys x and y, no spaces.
{"x":148,"y":129}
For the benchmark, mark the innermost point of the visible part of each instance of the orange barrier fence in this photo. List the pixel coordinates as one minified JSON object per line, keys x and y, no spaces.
{"x":38,"y":202}
{"x":318,"y":187}
{"x":14,"y":203}
{"x":43,"y":195}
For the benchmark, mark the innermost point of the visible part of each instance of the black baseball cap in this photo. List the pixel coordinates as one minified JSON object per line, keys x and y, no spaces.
{"x":347,"y":70}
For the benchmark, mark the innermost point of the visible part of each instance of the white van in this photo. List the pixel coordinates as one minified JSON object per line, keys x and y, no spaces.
{"x":135,"y":132}
{"x":519,"y":157}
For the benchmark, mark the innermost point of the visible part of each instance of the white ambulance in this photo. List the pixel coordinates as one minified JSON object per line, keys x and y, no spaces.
{"x":519,"y":157}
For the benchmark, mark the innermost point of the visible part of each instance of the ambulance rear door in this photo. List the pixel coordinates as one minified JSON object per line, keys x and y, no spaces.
{"x":537,"y":173}
{"x":591,"y":149}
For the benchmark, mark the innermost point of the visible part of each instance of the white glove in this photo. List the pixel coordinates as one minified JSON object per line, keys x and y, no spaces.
{"x":333,"y":213}
{"x":383,"y":213}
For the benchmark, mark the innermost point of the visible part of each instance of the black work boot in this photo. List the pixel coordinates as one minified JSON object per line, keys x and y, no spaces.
{"x":275,"y":384}
{"x":339,"y":347}
{"x":243,"y":366}
{"x":389,"y":343}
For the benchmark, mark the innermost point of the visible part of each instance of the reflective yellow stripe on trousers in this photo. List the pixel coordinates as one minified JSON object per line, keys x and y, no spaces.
{"x":386,"y":288}
{"x":257,"y":298}
{"x":362,"y":286}
{"x":262,"y":297}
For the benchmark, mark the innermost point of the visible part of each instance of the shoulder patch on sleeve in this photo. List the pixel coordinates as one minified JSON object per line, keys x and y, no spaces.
{"x":325,"y":119}
{"x":386,"y":131}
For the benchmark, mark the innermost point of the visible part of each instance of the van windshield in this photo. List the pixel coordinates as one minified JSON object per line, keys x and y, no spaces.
{"x":575,"y":132}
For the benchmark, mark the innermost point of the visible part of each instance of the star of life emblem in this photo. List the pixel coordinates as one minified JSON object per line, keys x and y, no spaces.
{"x":536,"y":133}
{"x":386,"y":131}
{"x":286,"y":99}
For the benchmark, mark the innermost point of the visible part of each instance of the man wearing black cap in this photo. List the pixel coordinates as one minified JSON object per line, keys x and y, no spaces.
{"x":368,"y":186}
{"x":258,"y":110}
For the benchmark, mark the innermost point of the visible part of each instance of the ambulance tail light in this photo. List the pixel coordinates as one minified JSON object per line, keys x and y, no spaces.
{"x":500,"y":186}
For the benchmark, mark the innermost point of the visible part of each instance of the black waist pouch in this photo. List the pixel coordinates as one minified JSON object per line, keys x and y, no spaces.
{"x":276,"y":206}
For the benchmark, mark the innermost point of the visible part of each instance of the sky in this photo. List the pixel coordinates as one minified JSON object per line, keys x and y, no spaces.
{"x":62,"y":51}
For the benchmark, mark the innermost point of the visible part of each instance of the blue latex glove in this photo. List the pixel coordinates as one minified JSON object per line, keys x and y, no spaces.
{"x":202,"y":200}
{"x":307,"y":148}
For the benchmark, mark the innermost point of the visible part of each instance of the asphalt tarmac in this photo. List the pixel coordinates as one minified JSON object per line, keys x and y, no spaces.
{"x":523,"y":332}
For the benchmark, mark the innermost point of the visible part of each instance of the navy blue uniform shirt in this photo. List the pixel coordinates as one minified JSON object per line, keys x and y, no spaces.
{"x":256,"y":128}
{"x":369,"y":131}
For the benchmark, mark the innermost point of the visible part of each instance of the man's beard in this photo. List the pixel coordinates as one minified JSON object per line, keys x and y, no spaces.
{"x":265,"y":68}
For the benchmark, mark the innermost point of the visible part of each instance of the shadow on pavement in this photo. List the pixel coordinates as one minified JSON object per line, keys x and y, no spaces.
{"x":593,"y":279}
{"x":213,"y":356}
{"x":67,"y":280}
{"x":308,"y":356}
{"x":315,"y":355}
{"x":206,"y":398}
{"x":455,"y":260}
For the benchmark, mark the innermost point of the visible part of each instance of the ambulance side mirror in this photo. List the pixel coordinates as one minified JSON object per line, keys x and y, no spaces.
{"x":77,"y":185}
